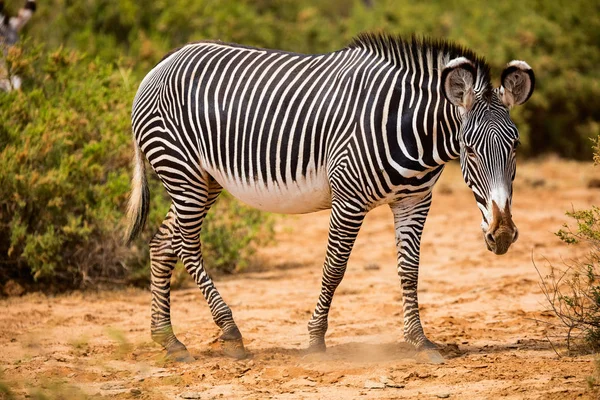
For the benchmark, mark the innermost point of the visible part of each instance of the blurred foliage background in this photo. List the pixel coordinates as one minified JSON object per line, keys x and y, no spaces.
{"x":65,"y":137}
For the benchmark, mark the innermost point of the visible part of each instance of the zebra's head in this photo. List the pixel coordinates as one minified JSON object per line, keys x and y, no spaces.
{"x":488,"y":140}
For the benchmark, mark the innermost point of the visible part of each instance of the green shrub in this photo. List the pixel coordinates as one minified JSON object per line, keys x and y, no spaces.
{"x":559,"y":42}
{"x":574,"y":293}
{"x":64,"y":173}
{"x":65,"y":150}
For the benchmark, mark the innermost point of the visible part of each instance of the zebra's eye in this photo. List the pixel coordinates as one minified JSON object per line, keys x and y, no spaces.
{"x":516,"y":144}
{"x":470,"y":151}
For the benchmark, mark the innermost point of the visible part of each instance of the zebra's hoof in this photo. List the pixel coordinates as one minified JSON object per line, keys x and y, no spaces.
{"x":317,"y":347}
{"x":233,"y":348}
{"x":429,"y":356}
{"x":180,"y":355}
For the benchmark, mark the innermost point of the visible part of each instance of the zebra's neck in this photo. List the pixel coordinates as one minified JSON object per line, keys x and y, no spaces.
{"x":404,"y":117}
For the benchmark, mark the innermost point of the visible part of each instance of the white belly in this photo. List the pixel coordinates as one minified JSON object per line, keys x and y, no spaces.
{"x":307,"y":194}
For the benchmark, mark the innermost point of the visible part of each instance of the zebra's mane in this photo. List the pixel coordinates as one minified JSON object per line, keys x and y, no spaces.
{"x":390,"y":47}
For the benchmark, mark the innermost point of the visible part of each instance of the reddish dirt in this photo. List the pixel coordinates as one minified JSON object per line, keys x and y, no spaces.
{"x":486,"y":311}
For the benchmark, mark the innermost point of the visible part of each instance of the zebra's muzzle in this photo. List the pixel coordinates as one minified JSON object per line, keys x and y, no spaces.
{"x":502,"y":232}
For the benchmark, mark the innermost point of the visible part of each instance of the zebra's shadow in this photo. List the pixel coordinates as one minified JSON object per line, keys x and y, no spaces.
{"x":346,"y":352}
{"x":364,"y":352}
{"x":361,"y":352}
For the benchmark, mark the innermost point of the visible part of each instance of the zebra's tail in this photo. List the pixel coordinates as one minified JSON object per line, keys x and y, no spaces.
{"x":139,"y":200}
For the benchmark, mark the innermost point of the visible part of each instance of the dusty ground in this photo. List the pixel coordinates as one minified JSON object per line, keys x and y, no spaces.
{"x":485,"y":311}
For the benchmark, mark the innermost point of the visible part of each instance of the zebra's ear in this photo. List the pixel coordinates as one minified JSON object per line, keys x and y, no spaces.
{"x":24,"y":15}
{"x":518,"y":82}
{"x":458,"y":82}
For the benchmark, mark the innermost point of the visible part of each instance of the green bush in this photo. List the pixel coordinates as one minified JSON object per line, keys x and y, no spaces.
{"x":65,"y":151}
{"x":574,"y":293}
{"x":64,"y":171}
{"x":560,"y":42}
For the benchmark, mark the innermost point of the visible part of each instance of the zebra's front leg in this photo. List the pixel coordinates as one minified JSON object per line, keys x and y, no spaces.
{"x":344,"y":224}
{"x":162,"y":263}
{"x":409,"y":218}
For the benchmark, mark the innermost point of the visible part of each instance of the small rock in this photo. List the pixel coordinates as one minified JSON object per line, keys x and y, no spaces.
{"x":299,"y":382}
{"x":537,"y":183}
{"x":390,"y":383}
{"x":112,"y":386}
{"x":394,"y":385}
{"x":190,"y":395}
{"x":370,"y":384}
{"x":445,"y":189}
{"x":594,"y":183}
{"x":372,"y":267}
{"x":12,"y":288}
{"x":442,"y":395}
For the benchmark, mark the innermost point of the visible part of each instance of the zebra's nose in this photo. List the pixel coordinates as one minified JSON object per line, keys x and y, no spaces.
{"x":516,"y":235}
{"x":489,"y":237}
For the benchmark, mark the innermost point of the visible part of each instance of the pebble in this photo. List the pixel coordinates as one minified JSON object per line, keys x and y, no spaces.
{"x":369,"y":384}
{"x":190,"y":395}
{"x":594,"y":183}
{"x":390,"y":383}
{"x":394,"y":385}
{"x":112,"y":386}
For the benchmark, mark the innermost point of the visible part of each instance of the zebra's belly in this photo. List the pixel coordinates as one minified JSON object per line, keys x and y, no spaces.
{"x":304,"y":195}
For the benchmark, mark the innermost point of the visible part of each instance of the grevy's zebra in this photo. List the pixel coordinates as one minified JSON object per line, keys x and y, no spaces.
{"x":370,"y":124}
{"x":9,"y":35}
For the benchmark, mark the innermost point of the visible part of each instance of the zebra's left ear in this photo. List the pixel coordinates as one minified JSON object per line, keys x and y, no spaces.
{"x":518,"y":82}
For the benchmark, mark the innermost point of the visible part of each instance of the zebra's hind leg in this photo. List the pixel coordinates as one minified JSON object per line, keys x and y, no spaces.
{"x":162,"y":263}
{"x":189,"y":249}
{"x":344,"y":224}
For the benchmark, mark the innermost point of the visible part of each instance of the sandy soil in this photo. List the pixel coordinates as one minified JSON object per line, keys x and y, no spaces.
{"x":486,"y":312}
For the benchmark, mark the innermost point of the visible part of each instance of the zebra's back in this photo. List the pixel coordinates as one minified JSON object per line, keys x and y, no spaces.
{"x":257,"y":120}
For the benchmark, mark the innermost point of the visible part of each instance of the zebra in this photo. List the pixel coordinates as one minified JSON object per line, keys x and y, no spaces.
{"x":9,"y":36}
{"x":373,"y":123}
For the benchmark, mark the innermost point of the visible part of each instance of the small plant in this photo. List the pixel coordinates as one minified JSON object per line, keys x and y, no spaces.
{"x":594,"y":380}
{"x":5,"y":390}
{"x":574,"y":293}
{"x":65,"y":152}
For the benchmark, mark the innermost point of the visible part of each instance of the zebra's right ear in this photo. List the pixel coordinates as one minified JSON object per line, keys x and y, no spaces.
{"x":458,"y":82}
